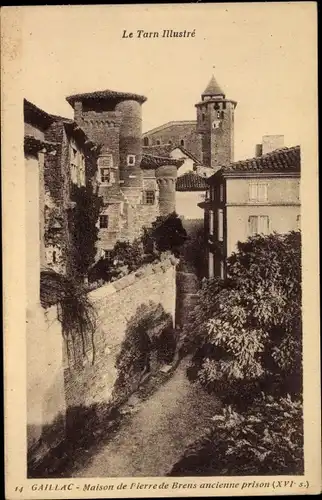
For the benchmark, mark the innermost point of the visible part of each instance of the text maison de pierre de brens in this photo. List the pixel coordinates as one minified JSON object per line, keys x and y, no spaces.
{"x":158,"y":34}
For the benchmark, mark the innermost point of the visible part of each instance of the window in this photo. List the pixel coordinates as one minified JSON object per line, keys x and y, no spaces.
{"x":105,"y":175}
{"x":211,"y":222}
{"x":170,"y":142}
{"x":54,"y":257}
{"x":130,"y":160}
{"x":258,"y":224}
{"x":158,"y":142}
{"x":258,"y":191}
{"x":146,"y":141}
{"x":211,"y":265}
{"x":224,"y":105}
{"x":82,"y":179}
{"x":220,"y":225}
{"x":221,"y":192}
{"x":182,"y":143}
{"x":203,"y":117}
{"x":149,"y":197}
{"x":74,"y":159}
{"x":103,"y":221}
{"x":222,"y":269}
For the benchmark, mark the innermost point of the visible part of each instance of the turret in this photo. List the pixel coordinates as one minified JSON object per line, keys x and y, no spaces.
{"x":215,"y":122}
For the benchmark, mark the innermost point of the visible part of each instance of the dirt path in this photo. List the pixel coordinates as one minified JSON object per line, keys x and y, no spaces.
{"x":158,"y":433}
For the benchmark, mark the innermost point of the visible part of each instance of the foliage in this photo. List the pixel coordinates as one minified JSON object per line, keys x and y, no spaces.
{"x":248,"y":327}
{"x":125,"y":258}
{"x":75,"y":312}
{"x":193,"y":250}
{"x":265,"y":440}
{"x":82,"y":220}
{"x":166,"y":233}
{"x":143,"y":330}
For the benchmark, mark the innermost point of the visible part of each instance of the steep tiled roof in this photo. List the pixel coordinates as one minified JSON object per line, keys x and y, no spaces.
{"x":151,"y":161}
{"x":159,"y":149}
{"x":280,"y":160}
{"x":191,"y":182}
{"x":35,"y":115}
{"x":106,"y":94}
{"x":213,"y":88}
{"x":166,"y":150}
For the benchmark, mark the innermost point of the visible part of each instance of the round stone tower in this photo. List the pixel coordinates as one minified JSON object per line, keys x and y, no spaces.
{"x":130,"y":143}
{"x":166,"y":176}
{"x":215,"y":123}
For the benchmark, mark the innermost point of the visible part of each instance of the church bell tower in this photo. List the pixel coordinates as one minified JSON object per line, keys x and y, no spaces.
{"x":215,"y":123}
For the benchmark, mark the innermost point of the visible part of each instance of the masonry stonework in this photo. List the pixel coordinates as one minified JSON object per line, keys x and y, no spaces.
{"x":150,"y":288}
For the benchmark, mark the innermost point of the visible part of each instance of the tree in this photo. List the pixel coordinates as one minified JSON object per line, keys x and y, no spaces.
{"x":166,"y":233}
{"x":248,"y":327}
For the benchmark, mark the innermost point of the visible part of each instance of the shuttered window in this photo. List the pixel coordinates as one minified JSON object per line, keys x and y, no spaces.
{"x":220,"y":225}
{"x":258,"y":191}
{"x":258,"y":224}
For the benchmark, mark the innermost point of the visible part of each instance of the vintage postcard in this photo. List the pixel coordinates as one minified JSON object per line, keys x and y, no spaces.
{"x":160,"y":229}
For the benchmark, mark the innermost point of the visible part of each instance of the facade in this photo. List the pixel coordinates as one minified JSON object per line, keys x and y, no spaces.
{"x":260,"y":195}
{"x":215,"y":124}
{"x":71,"y":171}
{"x":131,"y":186}
{"x":177,"y":134}
{"x":191,"y":190}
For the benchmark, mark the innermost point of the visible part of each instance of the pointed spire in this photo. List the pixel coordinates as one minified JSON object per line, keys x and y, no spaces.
{"x":213,"y":88}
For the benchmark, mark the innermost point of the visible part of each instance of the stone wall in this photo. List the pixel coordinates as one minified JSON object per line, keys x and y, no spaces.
{"x":45,"y":382}
{"x":147,"y":295}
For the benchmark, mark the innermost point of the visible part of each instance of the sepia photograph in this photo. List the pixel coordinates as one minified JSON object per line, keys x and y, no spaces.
{"x":166,"y":158}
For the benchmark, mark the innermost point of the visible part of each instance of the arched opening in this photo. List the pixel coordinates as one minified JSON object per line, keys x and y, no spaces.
{"x":158,"y":142}
{"x":145,"y":141}
{"x":182,"y":143}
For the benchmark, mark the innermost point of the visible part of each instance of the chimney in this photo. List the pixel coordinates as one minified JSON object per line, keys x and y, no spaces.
{"x":258,"y":149}
{"x":272,"y":142}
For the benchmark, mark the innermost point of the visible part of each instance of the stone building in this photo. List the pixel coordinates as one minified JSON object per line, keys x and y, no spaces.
{"x":259,"y":195}
{"x":66,"y":174}
{"x":177,"y":134}
{"x":204,"y":145}
{"x":134,"y":187}
{"x":44,"y":350}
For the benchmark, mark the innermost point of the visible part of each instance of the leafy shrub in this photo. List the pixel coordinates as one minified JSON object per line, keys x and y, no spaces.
{"x":166,"y":233}
{"x":265,"y":440}
{"x":125,"y":258}
{"x":248,"y":327}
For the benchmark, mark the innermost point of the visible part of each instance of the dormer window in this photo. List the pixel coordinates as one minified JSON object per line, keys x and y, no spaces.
{"x":130,"y":160}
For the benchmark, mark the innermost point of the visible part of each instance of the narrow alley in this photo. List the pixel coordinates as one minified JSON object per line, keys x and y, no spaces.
{"x":158,"y":432}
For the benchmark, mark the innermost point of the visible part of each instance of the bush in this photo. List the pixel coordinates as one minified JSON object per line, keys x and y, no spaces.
{"x":266,"y":440}
{"x":125,"y":258}
{"x":166,"y":234}
{"x":248,"y":327}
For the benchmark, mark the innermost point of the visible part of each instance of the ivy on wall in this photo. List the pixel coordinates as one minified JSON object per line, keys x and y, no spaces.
{"x":82,"y":223}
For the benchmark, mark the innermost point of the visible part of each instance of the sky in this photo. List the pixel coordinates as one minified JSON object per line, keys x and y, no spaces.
{"x":261,"y":55}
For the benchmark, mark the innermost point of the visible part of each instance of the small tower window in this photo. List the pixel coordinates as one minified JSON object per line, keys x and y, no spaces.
{"x":54,"y":257}
{"x":216,"y":105}
{"x":224,"y":105}
{"x":103,"y":221}
{"x":203,"y":117}
{"x":130,"y":160}
{"x":182,"y":143}
{"x":145,"y":141}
